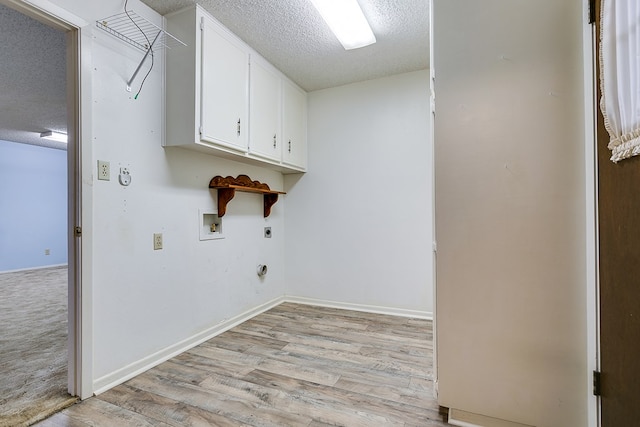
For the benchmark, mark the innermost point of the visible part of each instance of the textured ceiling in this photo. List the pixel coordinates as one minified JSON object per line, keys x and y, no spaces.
{"x":292,"y":36}
{"x":32,"y":79}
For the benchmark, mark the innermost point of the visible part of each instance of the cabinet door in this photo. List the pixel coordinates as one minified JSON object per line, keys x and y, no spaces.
{"x":264,"y":106}
{"x":294,"y":150}
{"x":224,"y":89}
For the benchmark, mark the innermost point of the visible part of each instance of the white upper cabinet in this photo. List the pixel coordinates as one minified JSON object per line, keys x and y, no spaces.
{"x":224,"y":99}
{"x":224,"y":112}
{"x":294,"y":126}
{"x":265,"y":110}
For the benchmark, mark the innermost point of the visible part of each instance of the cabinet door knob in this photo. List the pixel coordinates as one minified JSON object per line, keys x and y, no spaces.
{"x":274,"y":140}
{"x":238,"y":127}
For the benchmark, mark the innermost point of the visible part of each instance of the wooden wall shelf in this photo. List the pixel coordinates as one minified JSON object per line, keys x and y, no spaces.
{"x":227,"y":187}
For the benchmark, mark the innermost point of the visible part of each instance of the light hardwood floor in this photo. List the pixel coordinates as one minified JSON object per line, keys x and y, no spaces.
{"x":294,"y":365}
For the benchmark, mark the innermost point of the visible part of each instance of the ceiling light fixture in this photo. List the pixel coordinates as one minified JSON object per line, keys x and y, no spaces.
{"x":54,"y":136}
{"x":346,"y":20}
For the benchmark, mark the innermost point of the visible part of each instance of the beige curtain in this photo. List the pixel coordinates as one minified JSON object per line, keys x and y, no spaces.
{"x":620,"y":75}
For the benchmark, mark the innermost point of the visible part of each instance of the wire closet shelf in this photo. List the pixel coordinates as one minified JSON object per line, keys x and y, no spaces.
{"x":135,"y":30}
{"x":138,"y":32}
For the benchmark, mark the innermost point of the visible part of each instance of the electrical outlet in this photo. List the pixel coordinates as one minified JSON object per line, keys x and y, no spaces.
{"x":157,"y":241}
{"x":47,"y":251}
{"x":104,"y":170}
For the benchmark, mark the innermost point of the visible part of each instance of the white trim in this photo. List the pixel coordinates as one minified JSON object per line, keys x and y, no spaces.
{"x":47,"y":10}
{"x":80,"y":343}
{"x":84,"y":294}
{"x":468,"y":419}
{"x":115,"y":378}
{"x":361,"y":307}
{"x":455,"y":422}
{"x":434,"y":251}
{"x":42,"y":267}
{"x":452,"y":421}
{"x":591,"y":216}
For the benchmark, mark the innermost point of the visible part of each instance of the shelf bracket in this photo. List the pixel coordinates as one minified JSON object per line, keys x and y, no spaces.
{"x":149,"y":50}
{"x":270,"y":199}
{"x":224,"y":196}
{"x":227,"y":190}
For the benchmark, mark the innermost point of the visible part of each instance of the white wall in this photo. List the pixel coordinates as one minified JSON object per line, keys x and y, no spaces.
{"x":33,"y":188}
{"x":146,"y":301}
{"x":358,"y":224}
{"x":510,"y":209}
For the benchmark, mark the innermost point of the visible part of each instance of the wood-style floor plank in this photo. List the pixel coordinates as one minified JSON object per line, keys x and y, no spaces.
{"x":157,"y":407}
{"x":253,"y":411}
{"x":61,"y":419}
{"x":339,"y":407}
{"x":418,"y":398}
{"x":294,"y":365}
{"x":96,"y":412}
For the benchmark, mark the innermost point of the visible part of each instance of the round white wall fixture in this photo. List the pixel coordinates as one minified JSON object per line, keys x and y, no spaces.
{"x":262,"y":270}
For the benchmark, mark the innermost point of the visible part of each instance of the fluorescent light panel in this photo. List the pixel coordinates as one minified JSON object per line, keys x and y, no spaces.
{"x":346,"y":20}
{"x":54,"y":136}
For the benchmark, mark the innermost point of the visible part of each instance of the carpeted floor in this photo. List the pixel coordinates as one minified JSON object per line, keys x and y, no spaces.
{"x":33,"y":345}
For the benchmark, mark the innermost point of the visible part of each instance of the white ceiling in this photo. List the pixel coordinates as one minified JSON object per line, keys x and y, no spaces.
{"x":292,"y":36}
{"x":289,"y":33}
{"x":32,"y":79}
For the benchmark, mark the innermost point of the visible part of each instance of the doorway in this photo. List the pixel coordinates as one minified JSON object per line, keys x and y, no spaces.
{"x":27,"y":18}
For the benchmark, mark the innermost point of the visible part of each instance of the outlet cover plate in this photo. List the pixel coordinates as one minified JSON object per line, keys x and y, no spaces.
{"x":157,"y":241}
{"x":104,"y":170}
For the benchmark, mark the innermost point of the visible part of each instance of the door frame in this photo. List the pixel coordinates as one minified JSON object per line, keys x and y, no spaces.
{"x":79,"y":345}
{"x":612,"y":288}
{"x":590,"y":38}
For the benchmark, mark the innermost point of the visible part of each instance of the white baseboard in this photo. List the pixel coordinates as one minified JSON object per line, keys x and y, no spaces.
{"x":467,"y":419}
{"x":41,"y":267}
{"x":361,"y":307}
{"x":115,"y":378}
{"x":106,"y":382}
